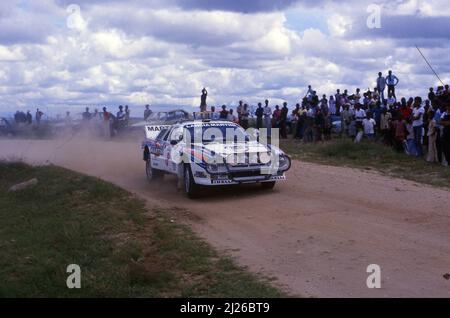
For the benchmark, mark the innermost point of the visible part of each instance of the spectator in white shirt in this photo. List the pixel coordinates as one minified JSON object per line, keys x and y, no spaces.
{"x":417,"y":124}
{"x":267,"y":120}
{"x":332,"y":105}
{"x":391,"y":82}
{"x":381,"y":85}
{"x":231,"y":117}
{"x":369,"y":127}
{"x":391,"y":100}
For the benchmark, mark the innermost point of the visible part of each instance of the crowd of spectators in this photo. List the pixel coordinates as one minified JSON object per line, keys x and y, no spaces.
{"x":419,"y":127}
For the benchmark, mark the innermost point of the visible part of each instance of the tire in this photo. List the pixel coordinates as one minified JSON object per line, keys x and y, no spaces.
{"x":268,"y":185}
{"x":151,"y":173}
{"x":191,"y":189}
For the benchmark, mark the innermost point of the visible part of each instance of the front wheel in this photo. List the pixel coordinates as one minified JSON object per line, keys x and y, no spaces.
{"x":268,"y":185}
{"x":190,"y":187}
{"x":151,"y":173}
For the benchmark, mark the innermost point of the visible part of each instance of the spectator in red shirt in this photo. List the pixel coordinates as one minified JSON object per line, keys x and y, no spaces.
{"x":406,"y":111}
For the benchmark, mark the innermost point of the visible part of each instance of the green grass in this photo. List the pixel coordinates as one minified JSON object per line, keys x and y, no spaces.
{"x":123,"y":249}
{"x":369,"y":156}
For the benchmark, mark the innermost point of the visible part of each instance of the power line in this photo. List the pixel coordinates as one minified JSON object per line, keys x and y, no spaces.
{"x":430,"y":66}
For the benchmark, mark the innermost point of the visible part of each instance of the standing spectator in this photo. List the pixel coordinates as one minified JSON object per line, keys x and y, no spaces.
{"x":319,"y":123}
{"x":391,"y":82}
{"x":314,"y":100}
{"x":309,"y":93}
{"x":327,"y":126}
{"x":29,"y":118}
{"x":445,"y":123}
{"x":337,"y":98}
{"x":399,"y":131}
{"x":381,"y":85}
{"x":86,"y":115}
{"x":332,"y":105}
{"x":231,"y":117}
{"x":127,"y":115}
{"x":411,"y":148}
{"x":259,"y":116}
{"x":293,"y":122}
{"x":239,"y":110}
{"x":203,"y":98}
{"x":357,"y":96}
{"x":276,"y":117}
{"x":244,"y":117}
{"x":385,"y":119}
{"x":301,"y":123}
{"x":369,"y":127}
{"x":391,"y":100}
{"x":147,"y":112}
{"x":426,"y":122}
{"x":213,"y":114}
{"x":360,"y":115}
{"x":432,"y":133}
{"x":324,"y":104}
{"x":309,"y":124}
{"x":283,"y":119}
{"x":224,"y":113}
{"x":376,"y":113}
{"x":346,"y":118}
{"x":437,"y":119}
{"x":417,"y":124}
{"x":405,"y":110}
{"x":267,"y":119}
{"x":120,"y":119}
{"x":431,"y":96}
{"x":39,"y":115}
{"x":376,"y":94}
{"x":106,"y":116}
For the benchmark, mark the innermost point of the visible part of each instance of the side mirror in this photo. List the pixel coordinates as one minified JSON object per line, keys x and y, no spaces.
{"x":173,"y":142}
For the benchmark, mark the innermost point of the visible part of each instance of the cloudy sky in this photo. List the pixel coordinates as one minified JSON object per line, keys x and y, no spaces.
{"x":67,"y":53}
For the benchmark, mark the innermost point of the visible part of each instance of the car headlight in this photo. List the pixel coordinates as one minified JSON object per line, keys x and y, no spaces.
{"x":215,"y":168}
{"x":284,"y":163}
{"x":264,"y":157}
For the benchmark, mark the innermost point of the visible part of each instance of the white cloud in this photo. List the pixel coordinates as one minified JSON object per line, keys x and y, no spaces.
{"x":11,"y":54}
{"x":118,"y":53}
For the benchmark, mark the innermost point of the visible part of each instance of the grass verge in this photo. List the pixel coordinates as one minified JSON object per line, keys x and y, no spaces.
{"x":369,"y":156}
{"x":123,"y":249}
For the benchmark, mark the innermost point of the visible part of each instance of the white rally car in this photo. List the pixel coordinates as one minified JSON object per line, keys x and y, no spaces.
{"x":212,"y":153}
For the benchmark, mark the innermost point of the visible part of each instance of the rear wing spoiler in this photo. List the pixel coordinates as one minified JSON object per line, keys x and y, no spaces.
{"x":152,"y":131}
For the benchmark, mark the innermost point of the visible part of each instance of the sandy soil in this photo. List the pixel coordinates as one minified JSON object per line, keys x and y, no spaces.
{"x":316,"y":233}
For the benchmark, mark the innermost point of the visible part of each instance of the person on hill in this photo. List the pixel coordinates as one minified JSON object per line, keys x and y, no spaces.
{"x":203,"y":98}
{"x":381,"y":85}
{"x":267,"y":118}
{"x":259,"y":116}
{"x":391,"y":82}
{"x":224,"y":113}
{"x":147,"y":112}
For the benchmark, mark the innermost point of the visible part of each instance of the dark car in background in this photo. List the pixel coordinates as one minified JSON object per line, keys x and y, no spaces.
{"x":6,"y":129}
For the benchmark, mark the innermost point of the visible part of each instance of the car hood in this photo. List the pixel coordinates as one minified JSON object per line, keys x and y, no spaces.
{"x":226,"y":149}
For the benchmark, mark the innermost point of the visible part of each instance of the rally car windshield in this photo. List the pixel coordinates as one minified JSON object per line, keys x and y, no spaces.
{"x":208,"y":133}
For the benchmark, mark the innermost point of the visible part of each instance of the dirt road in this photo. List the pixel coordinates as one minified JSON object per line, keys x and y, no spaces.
{"x":316,"y":233}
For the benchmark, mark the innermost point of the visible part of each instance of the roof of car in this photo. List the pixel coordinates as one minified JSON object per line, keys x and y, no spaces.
{"x":206,"y":121}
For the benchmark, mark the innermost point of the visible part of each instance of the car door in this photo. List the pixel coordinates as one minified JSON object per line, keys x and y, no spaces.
{"x":157,"y":150}
{"x":173,"y":135}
